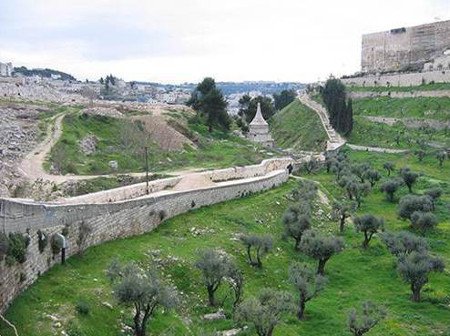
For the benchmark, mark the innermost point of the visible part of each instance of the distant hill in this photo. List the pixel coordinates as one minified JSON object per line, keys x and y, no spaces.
{"x":45,"y":73}
{"x":298,"y":127}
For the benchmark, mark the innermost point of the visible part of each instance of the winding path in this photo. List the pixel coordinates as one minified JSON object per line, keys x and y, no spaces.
{"x":32,"y":167}
{"x":335,"y":141}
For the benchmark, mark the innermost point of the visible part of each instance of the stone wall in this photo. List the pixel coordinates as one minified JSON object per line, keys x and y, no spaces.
{"x":400,"y":79}
{"x":110,"y":221}
{"x":399,"y":94}
{"x":403,"y":48}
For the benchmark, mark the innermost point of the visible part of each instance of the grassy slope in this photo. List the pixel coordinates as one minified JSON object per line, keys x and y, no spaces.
{"x":425,"y":87}
{"x":123,"y":142}
{"x":370,"y":133}
{"x":296,"y":126}
{"x":421,"y":107}
{"x":354,"y":275}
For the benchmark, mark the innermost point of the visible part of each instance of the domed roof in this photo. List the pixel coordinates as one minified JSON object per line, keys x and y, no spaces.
{"x":258,"y":119}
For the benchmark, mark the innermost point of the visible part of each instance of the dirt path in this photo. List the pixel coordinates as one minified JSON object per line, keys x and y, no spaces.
{"x":32,"y":167}
{"x":334,"y":139}
{"x":377,"y":149}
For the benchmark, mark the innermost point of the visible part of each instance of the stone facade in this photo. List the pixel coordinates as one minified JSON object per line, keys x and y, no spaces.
{"x":6,"y":69}
{"x":124,"y":217}
{"x":259,"y":130}
{"x":405,"y":48}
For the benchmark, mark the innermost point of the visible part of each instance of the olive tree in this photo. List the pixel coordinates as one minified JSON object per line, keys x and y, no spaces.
{"x":369,"y":225}
{"x":296,"y":220}
{"x":409,"y":177}
{"x":441,"y":157}
{"x":415,"y":269}
{"x":389,"y":167}
{"x":307,"y":283}
{"x":373,"y":176}
{"x":265,"y":310}
{"x":356,"y":191}
{"x":341,"y":211}
{"x":214,"y":267}
{"x":412,"y":203}
{"x":401,"y":244}
{"x":390,"y":187}
{"x":434,"y":194}
{"x":423,"y":221}
{"x":143,"y":290}
{"x":320,"y":247}
{"x":360,"y":322}
{"x":236,"y":281}
{"x":261,"y":246}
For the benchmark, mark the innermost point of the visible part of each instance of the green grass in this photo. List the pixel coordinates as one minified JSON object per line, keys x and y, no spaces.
{"x":354,"y":275}
{"x":368,"y":133}
{"x":124,"y":141}
{"x":424,"y":87}
{"x":298,"y":127}
{"x":421,"y":107}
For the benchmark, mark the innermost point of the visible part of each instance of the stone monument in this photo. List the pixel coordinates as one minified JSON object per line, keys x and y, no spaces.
{"x":259,"y":130}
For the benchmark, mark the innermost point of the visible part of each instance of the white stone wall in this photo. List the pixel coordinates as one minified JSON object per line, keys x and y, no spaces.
{"x":117,"y":219}
{"x":403,"y":79}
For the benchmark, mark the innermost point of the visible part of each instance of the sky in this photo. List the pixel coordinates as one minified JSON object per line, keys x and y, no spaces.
{"x":176,"y":41}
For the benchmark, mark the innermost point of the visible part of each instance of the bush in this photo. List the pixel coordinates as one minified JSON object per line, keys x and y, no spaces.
{"x":82,"y":307}
{"x":17,"y":248}
{"x":411,"y":203}
{"x":423,"y":221}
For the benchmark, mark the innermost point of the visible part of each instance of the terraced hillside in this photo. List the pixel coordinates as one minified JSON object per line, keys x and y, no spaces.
{"x":409,"y":123}
{"x":298,"y":127}
{"x":54,"y":303}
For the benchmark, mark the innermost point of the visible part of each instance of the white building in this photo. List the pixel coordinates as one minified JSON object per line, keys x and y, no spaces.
{"x":6,"y":69}
{"x":259,"y":130}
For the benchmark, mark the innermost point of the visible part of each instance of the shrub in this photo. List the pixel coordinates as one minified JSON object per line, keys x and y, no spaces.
{"x":423,"y":221}
{"x":411,"y":203}
{"x":403,"y":243}
{"x":360,"y":323}
{"x":82,"y":307}
{"x":17,"y":248}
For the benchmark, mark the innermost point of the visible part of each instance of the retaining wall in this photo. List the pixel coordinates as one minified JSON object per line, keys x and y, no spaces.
{"x":401,"y":79}
{"x":113,"y":220}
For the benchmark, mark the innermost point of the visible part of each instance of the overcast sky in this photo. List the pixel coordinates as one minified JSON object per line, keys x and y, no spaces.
{"x":185,"y":40}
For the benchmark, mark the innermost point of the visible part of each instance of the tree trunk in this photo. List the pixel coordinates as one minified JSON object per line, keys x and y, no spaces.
{"x":365,"y":243}
{"x":270,"y":331}
{"x":415,"y":293}
{"x":137,"y":323}
{"x":321,"y":266}
{"x":409,"y":188}
{"x":301,"y":307}
{"x":258,"y":259}
{"x":342,"y":224}
{"x":249,"y":255}
{"x":211,"y":300}
{"x":297,"y":243}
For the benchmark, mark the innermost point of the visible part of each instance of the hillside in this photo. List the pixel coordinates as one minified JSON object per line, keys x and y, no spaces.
{"x":91,"y":139}
{"x":354,"y":275}
{"x":299,"y":128}
{"x":405,"y":123}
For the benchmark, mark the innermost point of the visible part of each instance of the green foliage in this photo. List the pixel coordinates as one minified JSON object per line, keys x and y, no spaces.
{"x":214,"y":267}
{"x":415,"y":268}
{"x":208,"y":100}
{"x":320,"y":247}
{"x":402,"y":243}
{"x":359,"y":323}
{"x":307,"y":283}
{"x":283,"y":99}
{"x":46,"y":73}
{"x":291,"y":128}
{"x":369,"y":225}
{"x":265,"y":310}
{"x":248,"y":106}
{"x":261,"y":245}
{"x":339,"y":108}
{"x":143,"y":290}
{"x":17,"y":247}
{"x":82,"y":307}
{"x":412,"y":203}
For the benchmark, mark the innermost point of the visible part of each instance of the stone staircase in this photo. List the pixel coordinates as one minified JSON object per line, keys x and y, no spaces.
{"x":335,"y":141}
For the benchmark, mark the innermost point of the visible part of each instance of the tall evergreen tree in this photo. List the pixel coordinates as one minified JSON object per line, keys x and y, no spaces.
{"x":209,"y":102}
{"x":339,"y":109}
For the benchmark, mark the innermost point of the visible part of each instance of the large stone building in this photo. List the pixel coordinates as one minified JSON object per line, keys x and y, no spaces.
{"x":6,"y":69}
{"x":259,"y":130}
{"x":412,"y":48}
